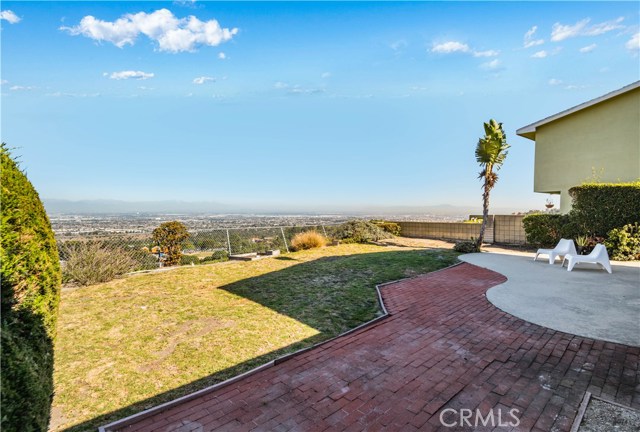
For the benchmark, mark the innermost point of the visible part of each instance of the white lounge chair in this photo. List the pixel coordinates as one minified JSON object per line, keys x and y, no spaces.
{"x":598,"y":255}
{"x":562,"y":249}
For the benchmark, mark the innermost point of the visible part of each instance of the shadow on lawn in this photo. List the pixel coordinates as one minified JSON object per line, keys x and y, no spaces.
{"x":330,"y":294}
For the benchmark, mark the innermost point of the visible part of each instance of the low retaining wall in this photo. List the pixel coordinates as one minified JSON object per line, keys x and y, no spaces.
{"x":502,"y":229}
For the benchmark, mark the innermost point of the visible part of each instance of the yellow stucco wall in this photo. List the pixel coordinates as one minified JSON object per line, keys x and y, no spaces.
{"x":603,"y":138}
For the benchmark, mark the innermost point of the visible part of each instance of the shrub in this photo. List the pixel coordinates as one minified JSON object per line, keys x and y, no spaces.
{"x":466,"y":246}
{"x":219,"y":255}
{"x":93,"y":262}
{"x":600,"y":207}
{"x":143,"y":259}
{"x":308,"y":240}
{"x":30,"y":274}
{"x":390,"y":227}
{"x":189,"y":259}
{"x":624,"y":243}
{"x":358,"y":231}
{"x":170,"y":236}
{"x":546,"y":230}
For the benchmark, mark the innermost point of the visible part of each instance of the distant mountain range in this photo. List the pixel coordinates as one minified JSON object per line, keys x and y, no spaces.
{"x":59,"y":206}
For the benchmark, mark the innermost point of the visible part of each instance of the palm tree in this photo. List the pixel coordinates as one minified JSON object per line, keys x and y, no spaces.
{"x":491,"y":152}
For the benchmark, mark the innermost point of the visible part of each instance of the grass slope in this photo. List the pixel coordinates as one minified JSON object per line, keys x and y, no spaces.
{"x":133,"y":343}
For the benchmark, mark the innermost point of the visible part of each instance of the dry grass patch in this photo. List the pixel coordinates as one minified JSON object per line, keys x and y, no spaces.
{"x":308,"y":240}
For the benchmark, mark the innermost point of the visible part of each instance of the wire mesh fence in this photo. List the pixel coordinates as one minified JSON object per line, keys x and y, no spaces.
{"x":202,"y":245}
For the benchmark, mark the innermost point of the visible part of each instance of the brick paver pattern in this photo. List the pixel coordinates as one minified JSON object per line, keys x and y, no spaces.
{"x":443,"y":347}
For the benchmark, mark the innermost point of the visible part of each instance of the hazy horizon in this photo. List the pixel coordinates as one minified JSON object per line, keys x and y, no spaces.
{"x":59,"y":206}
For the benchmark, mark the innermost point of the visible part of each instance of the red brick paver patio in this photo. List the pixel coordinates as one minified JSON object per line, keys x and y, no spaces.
{"x":443,"y":347}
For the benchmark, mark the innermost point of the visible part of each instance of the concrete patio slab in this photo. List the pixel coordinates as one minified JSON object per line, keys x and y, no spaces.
{"x":586,"y":301}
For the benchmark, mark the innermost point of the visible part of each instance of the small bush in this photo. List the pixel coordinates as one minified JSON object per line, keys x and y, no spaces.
{"x":390,"y":227}
{"x":308,"y":240}
{"x":189,"y":259}
{"x":358,"y":231}
{"x":466,"y":246}
{"x":92,"y":262}
{"x":624,"y":243}
{"x":217,"y":256}
{"x":144,"y":260}
{"x":600,"y":207}
{"x":546,"y":230}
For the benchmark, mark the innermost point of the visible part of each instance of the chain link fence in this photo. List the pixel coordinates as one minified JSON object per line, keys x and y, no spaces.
{"x":202,"y":246}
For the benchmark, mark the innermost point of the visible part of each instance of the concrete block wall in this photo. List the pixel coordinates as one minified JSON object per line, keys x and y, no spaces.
{"x":508,"y":229}
{"x":445,"y":230}
{"x":503,"y":229}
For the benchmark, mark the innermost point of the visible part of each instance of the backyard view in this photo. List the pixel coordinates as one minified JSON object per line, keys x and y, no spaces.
{"x":320,"y":216}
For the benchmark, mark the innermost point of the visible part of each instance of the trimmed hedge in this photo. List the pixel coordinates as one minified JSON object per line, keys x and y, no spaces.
{"x":546,"y":230}
{"x":600,"y":207}
{"x":30,"y":295}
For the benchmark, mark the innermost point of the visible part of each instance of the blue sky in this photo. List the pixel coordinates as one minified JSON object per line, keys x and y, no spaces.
{"x":300,"y":104}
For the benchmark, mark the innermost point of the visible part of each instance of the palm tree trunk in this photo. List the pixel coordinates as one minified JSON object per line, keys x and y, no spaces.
{"x":485,"y":211}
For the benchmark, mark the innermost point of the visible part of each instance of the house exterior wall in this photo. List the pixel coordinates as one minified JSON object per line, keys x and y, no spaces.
{"x":603,"y":139}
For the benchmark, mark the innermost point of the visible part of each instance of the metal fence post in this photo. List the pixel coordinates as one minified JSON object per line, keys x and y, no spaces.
{"x":284,"y":239}
{"x":229,"y":242}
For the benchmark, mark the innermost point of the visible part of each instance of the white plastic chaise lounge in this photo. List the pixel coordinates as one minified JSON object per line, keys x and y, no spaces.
{"x":562,"y":249}
{"x":598,"y":255}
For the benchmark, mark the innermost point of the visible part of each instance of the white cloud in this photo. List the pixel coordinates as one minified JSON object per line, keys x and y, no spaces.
{"x":203,"y":79}
{"x":74,"y":95}
{"x":398,"y":45}
{"x":529,"y":40}
{"x":450,"y":47}
{"x":540,"y":54}
{"x":561,"y":32}
{"x":588,"y":48}
{"x":130,"y":75}
{"x":3,"y":82}
{"x":555,"y":82}
{"x":488,"y":53}
{"x":633,"y":44}
{"x":325,"y":75}
{"x":10,"y":17}
{"x":297,"y":89}
{"x":186,"y":3}
{"x":303,"y":90}
{"x":222,"y":56}
{"x":21,"y":88}
{"x":172,"y":34}
{"x":604,"y":27}
{"x":493,"y":64}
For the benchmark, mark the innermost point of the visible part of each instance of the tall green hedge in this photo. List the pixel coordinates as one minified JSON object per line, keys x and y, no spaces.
{"x":31,"y":278}
{"x":546,"y":230}
{"x":600,"y":207}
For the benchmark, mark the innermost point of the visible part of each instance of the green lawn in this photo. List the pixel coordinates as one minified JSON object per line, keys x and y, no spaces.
{"x":133,"y":343}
